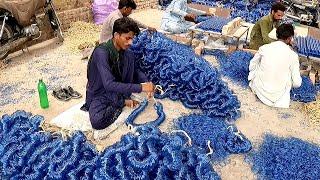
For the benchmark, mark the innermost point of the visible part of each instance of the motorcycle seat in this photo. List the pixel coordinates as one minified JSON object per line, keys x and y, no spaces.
{"x":310,"y":4}
{"x":22,"y":10}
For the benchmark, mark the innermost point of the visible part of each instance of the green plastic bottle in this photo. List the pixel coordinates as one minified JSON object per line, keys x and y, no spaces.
{"x":42,"y":89}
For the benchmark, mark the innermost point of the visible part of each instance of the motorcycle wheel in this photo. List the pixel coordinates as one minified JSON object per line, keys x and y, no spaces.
{"x":55,"y":22}
{"x":6,"y":36}
{"x":290,"y":11}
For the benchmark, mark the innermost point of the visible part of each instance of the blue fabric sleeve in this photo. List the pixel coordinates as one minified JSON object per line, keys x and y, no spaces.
{"x":108,"y":79}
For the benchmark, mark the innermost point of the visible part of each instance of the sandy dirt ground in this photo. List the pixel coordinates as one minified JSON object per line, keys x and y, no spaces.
{"x":57,"y":67}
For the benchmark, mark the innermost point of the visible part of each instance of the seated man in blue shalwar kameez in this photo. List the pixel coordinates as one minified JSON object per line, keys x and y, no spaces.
{"x":174,"y":19}
{"x":113,"y":76}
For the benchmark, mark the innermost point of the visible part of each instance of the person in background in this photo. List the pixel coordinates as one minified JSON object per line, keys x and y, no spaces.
{"x":274,"y":69}
{"x":112,"y":76}
{"x":262,"y":28}
{"x":177,"y":15}
{"x":125,"y":8}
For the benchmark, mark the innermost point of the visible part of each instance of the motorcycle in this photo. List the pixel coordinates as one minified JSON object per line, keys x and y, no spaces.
{"x":19,"y":24}
{"x":305,"y":12}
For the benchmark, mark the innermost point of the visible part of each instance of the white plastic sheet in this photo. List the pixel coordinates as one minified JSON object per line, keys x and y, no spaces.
{"x":75,"y":119}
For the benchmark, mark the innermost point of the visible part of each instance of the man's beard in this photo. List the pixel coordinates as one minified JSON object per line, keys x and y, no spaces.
{"x":276,"y":20}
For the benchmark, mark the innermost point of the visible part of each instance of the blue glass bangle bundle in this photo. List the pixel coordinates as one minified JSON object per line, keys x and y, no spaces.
{"x":285,"y":158}
{"x":157,"y":106}
{"x":248,"y":11}
{"x":305,"y":93}
{"x":308,"y":46}
{"x":225,"y":139}
{"x":28,"y":153}
{"x":235,"y":65}
{"x":153,"y":155}
{"x":185,"y":76}
{"x":214,"y":23}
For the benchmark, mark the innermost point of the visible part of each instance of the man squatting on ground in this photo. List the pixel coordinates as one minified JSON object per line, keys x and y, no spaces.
{"x":274,"y":69}
{"x":113,"y":76}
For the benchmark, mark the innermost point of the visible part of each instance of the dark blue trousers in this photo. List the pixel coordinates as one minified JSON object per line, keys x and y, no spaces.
{"x":104,"y":112}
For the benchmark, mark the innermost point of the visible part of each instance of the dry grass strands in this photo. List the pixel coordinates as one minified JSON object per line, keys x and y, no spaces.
{"x":81,"y":35}
{"x":313,"y":111}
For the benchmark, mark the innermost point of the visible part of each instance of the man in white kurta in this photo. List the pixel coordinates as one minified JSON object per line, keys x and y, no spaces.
{"x":274,"y":70}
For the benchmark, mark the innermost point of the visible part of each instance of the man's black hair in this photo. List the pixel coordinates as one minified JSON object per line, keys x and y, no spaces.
{"x":278,"y":6}
{"x":127,"y":3}
{"x":284,"y":31}
{"x":125,"y":25}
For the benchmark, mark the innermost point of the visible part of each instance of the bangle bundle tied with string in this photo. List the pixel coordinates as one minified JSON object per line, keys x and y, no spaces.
{"x":28,"y":153}
{"x":153,"y":155}
{"x":185,"y":76}
{"x":157,"y":106}
{"x":224,"y":139}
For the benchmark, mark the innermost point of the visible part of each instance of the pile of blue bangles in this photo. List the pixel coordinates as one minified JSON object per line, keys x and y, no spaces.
{"x":308,"y":46}
{"x":249,"y":11}
{"x":185,"y":76}
{"x":26,"y":152}
{"x":214,"y":23}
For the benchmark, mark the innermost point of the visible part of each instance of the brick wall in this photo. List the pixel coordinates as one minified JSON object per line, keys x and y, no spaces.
{"x":76,"y":10}
{"x":73,"y":10}
{"x":72,"y":15}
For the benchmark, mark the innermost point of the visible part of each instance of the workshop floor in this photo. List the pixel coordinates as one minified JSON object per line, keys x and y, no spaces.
{"x":57,"y":67}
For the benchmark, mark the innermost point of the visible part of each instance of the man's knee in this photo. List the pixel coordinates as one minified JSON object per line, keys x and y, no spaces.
{"x":103,"y":116}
